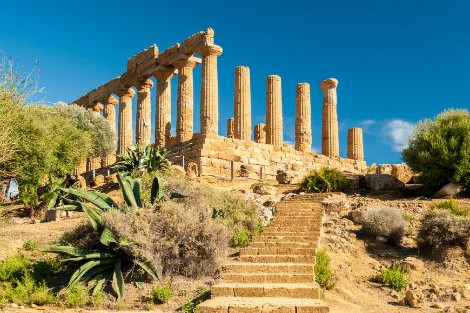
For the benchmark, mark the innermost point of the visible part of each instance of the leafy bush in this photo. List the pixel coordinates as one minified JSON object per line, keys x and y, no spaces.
{"x":439,"y":149}
{"x":394,"y":277}
{"x":451,"y":206}
{"x":162,"y":293}
{"x":241,"y":238}
{"x":76,"y":296}
{"x":442,"y":229}
{"x":322,"y":269}
{"x":30,"y":245}
{"x":384,"y":222}
{"x":102,"y":136}
{"x":325,"y":180}
{"x":21,"y":283}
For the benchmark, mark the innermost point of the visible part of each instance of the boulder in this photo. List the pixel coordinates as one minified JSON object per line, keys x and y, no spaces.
{"x":412,"y":264}
{"x":383,"y":182}
{"x":413,"y":298}
{"x":81,"y":181}
{"x":449,"y":190}
{"x":263,"y":189}
{"x":284,"y":177}
{"x":98,"y":180}
{"x":402,"y":172}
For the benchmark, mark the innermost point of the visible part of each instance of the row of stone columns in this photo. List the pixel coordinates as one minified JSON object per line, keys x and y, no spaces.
{"x":240,"y":126}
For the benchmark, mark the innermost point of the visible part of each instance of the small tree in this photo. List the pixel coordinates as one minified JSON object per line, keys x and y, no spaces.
{"x":101,"y":133}
{"x":440,"y":149}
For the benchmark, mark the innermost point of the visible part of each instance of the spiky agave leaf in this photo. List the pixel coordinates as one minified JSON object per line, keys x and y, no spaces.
{"x":92,"y":196}
{"x":118,"y":279}
{"x":125,"y":181}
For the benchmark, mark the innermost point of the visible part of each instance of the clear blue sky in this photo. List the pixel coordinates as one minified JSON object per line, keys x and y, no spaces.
{"x":397,"y":61}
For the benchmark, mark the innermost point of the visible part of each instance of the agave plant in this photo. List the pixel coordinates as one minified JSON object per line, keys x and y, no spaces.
{"x":104,"y":264}
{"x":148,"y":159}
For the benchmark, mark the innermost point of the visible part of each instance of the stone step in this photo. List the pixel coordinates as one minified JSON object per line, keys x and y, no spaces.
{"x":313,"y":234}
{"x":274,"y":258}
{"x":294,"y":229}
{"x":261,"y":278}
{"x":302,"y":291}
{"x":282,"y":244}
{"x":292,"y":223}
{"x":277,"y":250}
{"x":292,"y":238}
{"x":267,"y":268}
{"x":262,"y":305}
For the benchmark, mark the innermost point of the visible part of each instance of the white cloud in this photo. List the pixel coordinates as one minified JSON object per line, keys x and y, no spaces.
{"x":398,"y":131}
{"x":366,"y":124}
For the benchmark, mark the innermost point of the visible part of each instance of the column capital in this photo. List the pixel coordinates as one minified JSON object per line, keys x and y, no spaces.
{"x":190,"y":62}
{"x":329,"y":83}
{"x":129,"y":92}
{"x":145,"y":85}
{"x":97,"y":106}
{"x":110,"y":100}
{"x":207,"y":50}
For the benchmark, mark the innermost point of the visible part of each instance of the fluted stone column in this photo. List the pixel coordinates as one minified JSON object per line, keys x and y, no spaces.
{"x":355,"y":144}
{"x":303,"y":124}
{"x":230,"y":128}
{"x":143,"y":114}
{"x":163,"y":112}
{"x":209,"y":107}
{"x":330,"y":140}
{"x":185,"y":104}
{"x":242,"y":103}
{"x":274,"y":111}
{"x":109,"y":113}
{"x":95,"y":162}
{"x":125,"y":120}
{"x":260,"y":133}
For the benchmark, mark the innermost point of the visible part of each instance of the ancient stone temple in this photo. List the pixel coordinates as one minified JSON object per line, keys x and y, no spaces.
{"x":207,"y":153}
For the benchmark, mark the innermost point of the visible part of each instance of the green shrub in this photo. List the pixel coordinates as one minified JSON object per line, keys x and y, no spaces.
{"x":325,"y":180}
{"x":162,"y":293}
{"x":76,"y":296}
{"x":441,"y":229}
{"x":14,"y":268}
{"x":241,"y":238}
{"x":384,"y":222}
{"x":322,"y":268}
{"x":394,"y":277}
{"x":451,"y":206}
{"x":140,"y":159}
{"x":192,"y":304}
{"x":439,"y":149}
{"x":30,"y":245}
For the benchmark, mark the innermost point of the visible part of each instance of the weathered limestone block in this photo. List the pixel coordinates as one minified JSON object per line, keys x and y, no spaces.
{"x":355,"y":144}
{"x":242,"y":103}
{"x":185,"y":104}
{"x":274,"y":112}
{"x":143,"y":114}
{"x":125,"y":120}
{"x":383,"y":182}
{"x":230,"y":128}
{"x":303,"y":124}
{"x":260,"y":133}
{"x":163,"y":112}
{"x":402,"y":172}
{"x":209,"y":107}
{"x":330,"y":140}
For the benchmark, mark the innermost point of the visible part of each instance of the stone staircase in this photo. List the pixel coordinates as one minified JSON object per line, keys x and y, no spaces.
{"x":275,"y":272}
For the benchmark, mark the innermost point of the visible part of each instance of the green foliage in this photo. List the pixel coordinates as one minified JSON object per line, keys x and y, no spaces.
{"x":394,"y":277}
{"x":76,"y":296}
{"x":30,"y":245}
{"x":322,"y":268}
{"x":21,"y":282}
{"x":440,"y":228}
{"x":50,"y":147}
{"x":148,"y":159}
{"x":382,"y":221}
{"x":162,"y":293}
{"x":98,"y":128}
{"x":241,"y":238}
{"x":439,"y":149}
{"x":451,"y":206}
{"x":104,"y":263}
{"x":325,"y":180}
{"x":192,"y":304}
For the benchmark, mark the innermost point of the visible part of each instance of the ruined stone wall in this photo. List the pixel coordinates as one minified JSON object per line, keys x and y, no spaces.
{"x":213,"y":156}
